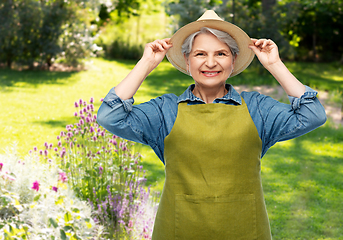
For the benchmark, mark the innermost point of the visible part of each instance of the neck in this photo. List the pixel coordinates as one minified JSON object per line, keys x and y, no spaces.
{"x":208,"y":95}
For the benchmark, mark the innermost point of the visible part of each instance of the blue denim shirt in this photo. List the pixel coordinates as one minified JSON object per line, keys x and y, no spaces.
{"x":150,"y":122}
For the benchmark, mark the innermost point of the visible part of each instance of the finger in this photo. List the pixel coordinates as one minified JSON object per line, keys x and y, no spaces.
{"x":157,"y":46}
{"x":165,"y":44}
{"x":266,"y":43}
{"x":259,"y":42}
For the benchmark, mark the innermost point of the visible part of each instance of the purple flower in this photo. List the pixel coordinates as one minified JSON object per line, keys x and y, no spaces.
{"x":80,"y":101}
{"x":35,"y":186}
{"x":101,"y":100}
{"x":91,"y":100}
{"x":53,"y":188}
{"x":75,"y":114}
{"x":1,"y":165}
{"x":35,"y":148}
{"x":63,"y":153}
{"x":62,"y":177}
{"x":100,"y":170}
{"x":76,"y":104}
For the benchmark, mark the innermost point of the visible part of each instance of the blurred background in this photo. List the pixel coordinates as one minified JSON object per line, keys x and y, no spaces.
{"x":39,"y":33}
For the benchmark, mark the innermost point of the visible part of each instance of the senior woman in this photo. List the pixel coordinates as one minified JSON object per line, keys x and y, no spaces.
{"x":211,"y":138}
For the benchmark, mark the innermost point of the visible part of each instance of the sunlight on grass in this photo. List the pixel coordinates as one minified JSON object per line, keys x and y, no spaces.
{"x":302,"y":178}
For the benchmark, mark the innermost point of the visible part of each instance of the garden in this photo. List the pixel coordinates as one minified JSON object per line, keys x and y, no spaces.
{"x":62,"y":176}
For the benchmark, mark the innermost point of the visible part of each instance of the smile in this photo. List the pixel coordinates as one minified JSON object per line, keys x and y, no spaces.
{"x":210,"y":73}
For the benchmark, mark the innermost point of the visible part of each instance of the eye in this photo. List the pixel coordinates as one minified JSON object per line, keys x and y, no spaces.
{"x":199,"y":54}
{"x":222,"y":54}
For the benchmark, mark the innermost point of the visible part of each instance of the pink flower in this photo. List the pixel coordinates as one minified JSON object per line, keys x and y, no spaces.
{"x":91,"y":100}
{"x":35,"y":186}
{"x":62,"y":177}
{"x":53,"y":188}
{"x":76,"y":104}
{"x":1,"y":165}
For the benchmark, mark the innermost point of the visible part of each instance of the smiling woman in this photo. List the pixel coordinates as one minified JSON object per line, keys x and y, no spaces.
{"x":211,"y":138}
{"x":210,"y":65}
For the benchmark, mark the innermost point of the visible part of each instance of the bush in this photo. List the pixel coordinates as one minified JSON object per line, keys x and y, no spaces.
{"x":104,"y":170}
{"x":36,"y":202}
{"x":122,"y":50}
{"x":34,"y":31}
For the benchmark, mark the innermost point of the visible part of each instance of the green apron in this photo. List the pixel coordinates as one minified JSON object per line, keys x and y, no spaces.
{"x":213,"y":188}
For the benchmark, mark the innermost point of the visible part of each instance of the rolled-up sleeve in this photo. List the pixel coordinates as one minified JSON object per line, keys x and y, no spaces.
{"x":147,"y":123}
{"x":277,"y":121}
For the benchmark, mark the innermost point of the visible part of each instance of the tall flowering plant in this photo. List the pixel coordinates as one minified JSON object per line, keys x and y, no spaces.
{"x":106,"y":171}
{"x":36,"y":204}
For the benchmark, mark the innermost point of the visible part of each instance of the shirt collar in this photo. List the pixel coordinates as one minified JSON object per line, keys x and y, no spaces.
{"x":232,"y":95}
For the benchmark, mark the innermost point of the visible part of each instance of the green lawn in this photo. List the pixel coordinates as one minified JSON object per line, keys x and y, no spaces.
{"x":302,"y":178}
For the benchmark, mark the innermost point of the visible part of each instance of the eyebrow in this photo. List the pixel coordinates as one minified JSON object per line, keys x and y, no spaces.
{"x":220,"y":50}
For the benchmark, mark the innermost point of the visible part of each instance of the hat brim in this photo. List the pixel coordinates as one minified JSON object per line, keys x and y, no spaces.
{"x":243,"y":60}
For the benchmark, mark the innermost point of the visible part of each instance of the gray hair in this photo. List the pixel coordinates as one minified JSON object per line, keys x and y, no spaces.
{"x":222,"y":36}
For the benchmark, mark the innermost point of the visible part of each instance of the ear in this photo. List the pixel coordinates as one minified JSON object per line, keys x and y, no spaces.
{"x":186,"y":60}
{"x":233,"y":62}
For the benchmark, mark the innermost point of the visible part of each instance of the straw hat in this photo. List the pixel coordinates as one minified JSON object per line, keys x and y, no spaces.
{"x":211,"y":20}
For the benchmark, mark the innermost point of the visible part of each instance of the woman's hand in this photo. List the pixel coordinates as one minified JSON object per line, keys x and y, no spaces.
{"x":266,"y":51}
{"x":155,"y":51}
{"x":268,"y":54}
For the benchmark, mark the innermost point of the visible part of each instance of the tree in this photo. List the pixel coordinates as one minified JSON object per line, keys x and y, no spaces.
{"x":314,"y":28}
{"x":190,"y":10}
{"x":41,"y":31}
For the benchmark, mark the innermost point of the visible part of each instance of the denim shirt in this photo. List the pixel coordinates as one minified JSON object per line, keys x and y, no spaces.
{"x":150,"y":122}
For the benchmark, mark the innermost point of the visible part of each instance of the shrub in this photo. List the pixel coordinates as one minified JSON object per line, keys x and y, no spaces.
{"x":36,"y":203}
{"x":106,"y":171}
{"x":34,"y":31}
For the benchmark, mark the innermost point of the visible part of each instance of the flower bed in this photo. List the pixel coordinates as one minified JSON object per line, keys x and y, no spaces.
{"x":105,"y":171}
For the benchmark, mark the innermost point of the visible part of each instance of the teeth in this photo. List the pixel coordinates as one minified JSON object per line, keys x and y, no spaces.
{"x":210,"y":73}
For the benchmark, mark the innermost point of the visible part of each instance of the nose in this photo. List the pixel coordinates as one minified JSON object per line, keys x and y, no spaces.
{"x":211,"y":61}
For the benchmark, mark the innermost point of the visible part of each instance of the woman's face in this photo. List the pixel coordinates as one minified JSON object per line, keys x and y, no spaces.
{"x":210,"y":62}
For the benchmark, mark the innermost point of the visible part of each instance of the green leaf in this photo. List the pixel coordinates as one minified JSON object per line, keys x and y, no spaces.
{"x":76,"y":210}
{"x":53,"y":222}
{"x":67,"y":217}
{"x":68,"y":228}
{"x":37,"y":197}
{"x":63,"y":234}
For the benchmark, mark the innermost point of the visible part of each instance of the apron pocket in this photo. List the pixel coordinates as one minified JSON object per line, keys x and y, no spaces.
{"x":215,"y":218}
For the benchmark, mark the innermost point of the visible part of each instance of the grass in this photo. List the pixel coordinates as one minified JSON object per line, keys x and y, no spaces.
{"x":302,"y":178}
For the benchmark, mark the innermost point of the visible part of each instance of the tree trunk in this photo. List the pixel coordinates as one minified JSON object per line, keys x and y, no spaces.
{"x":9,"y":61}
